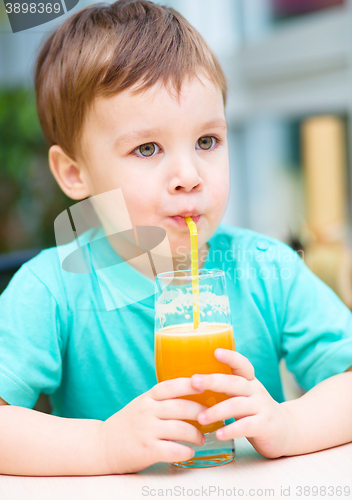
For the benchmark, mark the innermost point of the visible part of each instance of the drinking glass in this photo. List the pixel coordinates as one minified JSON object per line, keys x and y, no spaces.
{"x":182,"y":351}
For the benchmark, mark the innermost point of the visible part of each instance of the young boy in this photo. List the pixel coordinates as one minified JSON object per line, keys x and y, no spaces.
{"x":130,"y":97}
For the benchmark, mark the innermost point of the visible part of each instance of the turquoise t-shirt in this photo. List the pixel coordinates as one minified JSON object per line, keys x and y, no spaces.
{"x":58,"y":338}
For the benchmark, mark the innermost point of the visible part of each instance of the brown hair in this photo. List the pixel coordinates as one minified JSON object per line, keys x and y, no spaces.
{"x":106,"y":48}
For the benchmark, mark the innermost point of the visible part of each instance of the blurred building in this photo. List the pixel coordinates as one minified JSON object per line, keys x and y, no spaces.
{"x":285,"y":60}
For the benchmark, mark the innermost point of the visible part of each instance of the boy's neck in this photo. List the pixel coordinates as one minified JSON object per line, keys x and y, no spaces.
{"x":180,"y":263}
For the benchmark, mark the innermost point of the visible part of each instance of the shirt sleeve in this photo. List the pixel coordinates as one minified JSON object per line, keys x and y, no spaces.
{"x":316,"y":331}
{"x":30,"y":340}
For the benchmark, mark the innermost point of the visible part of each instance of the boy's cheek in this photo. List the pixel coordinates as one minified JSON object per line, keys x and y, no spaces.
{"x":219,"y":192}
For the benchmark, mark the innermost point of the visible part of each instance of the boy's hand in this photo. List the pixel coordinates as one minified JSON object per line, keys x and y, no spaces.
{"x":144,"y":431}
{"x":266,"y":424}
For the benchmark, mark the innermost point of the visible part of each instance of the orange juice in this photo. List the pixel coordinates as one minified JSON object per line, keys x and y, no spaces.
{"x":181,"y":351}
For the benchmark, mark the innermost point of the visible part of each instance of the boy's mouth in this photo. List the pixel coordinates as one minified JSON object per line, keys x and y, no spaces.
{"x":179,"y":220}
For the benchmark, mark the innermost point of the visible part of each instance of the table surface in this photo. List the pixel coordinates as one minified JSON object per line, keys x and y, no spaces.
{"x":250,"y":475}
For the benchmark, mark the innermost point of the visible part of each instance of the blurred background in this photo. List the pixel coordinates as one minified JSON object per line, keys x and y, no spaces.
{"x":289,"y":67}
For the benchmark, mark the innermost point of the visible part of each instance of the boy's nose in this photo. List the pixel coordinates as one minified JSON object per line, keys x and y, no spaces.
{"x":185,"y":177}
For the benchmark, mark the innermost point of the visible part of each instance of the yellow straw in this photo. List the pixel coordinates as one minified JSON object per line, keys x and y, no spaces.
{"x":194,"y":259}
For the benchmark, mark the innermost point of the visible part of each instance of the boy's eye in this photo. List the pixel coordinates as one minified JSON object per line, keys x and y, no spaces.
{"x":206,"y":142}
{"x":147,"y":149}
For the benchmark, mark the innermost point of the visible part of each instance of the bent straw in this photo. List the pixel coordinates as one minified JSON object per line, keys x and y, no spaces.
{"x":194,"y":260}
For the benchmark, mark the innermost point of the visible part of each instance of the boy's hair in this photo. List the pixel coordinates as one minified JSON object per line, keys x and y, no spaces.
{"x":106,"y":48}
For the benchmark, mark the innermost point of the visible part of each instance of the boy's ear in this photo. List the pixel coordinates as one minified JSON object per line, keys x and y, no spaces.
{"x":68,"y":174}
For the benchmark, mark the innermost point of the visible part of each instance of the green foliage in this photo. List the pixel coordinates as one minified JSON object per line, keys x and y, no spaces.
{"x":21,"y":137}
{"x":30,"y":199}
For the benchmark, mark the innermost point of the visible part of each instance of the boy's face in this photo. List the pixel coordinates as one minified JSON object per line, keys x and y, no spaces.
{"x":169,"y":157}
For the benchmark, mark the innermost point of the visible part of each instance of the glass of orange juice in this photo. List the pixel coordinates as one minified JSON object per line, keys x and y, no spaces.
{"x":182,"y":351}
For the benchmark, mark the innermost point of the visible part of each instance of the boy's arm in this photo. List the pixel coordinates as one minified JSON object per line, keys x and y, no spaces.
{"x":322,"y":417}
{"x":38,"y":444}
{"x":140,"y":434}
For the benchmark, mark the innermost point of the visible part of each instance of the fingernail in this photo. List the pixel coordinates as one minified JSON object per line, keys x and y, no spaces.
{"x":202,"y":417}
{"x":219,"y":433}
{"x":219,"y":353}
{"x":203,"y":439}
{"x":197,"y":380}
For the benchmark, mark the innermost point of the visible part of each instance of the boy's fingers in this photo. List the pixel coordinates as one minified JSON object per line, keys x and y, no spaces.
{"x":245,"y":427}
{"x":177,"y":430}
{"x":174,"y":388}
{"x":179,"y":409}
{"x":231,"y":385}
{"x":169,"y":451}
{"x":231,"y":408}
{"x":239,"y":364}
